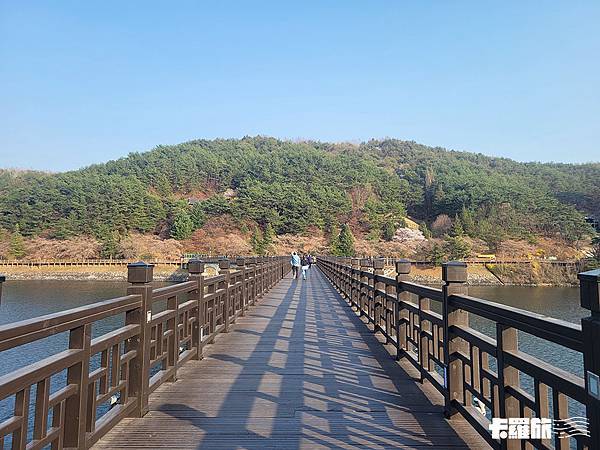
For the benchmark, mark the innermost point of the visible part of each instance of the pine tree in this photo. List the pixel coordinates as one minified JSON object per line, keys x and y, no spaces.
{"x":17,"y":245}
{"x":457,"y":248}
{"x":436,"y":254}
{"x":334,"y":234}
{"x":457,"y":228}
{"x":183,"y":227}
{"x":389,"y":230}
{"x":595,"y":253}
{"x":257,"y":241}
{"x":268,"y":237}
{"x":425,"y":230}
{"x":110,"y":245}
{"x":467,"y":221}
{"x":344,"y":244}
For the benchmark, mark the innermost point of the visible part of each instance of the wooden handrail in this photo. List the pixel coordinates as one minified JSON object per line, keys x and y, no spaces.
{"x":467,"y":366}
{"x":111,"y":376}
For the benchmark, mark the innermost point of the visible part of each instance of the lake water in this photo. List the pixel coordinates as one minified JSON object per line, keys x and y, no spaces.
{"x":26,"y":299}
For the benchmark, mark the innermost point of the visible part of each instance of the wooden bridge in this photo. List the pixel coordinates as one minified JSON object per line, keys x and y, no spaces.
{"x":254,"y":359}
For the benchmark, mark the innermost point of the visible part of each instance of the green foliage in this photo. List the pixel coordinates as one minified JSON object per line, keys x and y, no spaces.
{"x":492,"y":234}
{"x":257,"y":241}
{"x":293,"y":186}
{"x":110,"y":240}
{"x":17,"y":246}
{"x":467,"y":221}
{"x":262,"y":241}
{"x":268,"y":236}
{"x":388,"y":232}
{"x":595,"y":253}
{"x":183,"y":226}
{"x":198,"y":216}
{"x":457,"y":248}
{"x":457,"y":229}
{"x":343,"y":245}
{"x":425,"y":230}
{"x":436,"y":254}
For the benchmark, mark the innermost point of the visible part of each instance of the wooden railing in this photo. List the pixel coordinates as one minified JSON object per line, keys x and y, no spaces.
{"x":84,"y":262}
{"x":83,"y":391}
{"x":482,"y":376}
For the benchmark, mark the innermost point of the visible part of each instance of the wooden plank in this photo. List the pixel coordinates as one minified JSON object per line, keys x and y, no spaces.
{"x":299,"y":370}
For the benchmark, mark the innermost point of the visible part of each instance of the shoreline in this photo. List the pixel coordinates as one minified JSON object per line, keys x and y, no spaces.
{"x":161,"y":273}
{"x":428,"y":276}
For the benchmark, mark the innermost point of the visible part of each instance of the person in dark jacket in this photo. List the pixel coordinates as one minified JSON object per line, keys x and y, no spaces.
{"x":304,"y":264}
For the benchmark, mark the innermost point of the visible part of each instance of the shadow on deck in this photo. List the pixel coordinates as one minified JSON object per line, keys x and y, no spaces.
{"x":300,"y":370}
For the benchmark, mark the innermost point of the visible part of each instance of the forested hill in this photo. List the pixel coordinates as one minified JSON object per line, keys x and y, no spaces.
{"x":287,"y":187}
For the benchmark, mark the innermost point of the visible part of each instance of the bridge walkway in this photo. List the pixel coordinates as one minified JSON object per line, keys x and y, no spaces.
{"x":300,"y":370}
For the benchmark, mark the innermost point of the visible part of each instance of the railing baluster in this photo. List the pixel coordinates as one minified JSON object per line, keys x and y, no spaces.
{"x":196,"y":270}
{"x":364,"y":267}
{"x":173,"y":340}
{"x":224,"y":270}
{"x":454,"y":275}
{"x":377,"y":300}
{"x":403,"y":267}
{"x":590,"y":327}
{"x":355,"y":283}
{"x":140,"y":276}
{"x":75,"y":409}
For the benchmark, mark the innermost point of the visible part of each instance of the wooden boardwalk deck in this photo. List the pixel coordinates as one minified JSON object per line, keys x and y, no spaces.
{"x":300,"y":370}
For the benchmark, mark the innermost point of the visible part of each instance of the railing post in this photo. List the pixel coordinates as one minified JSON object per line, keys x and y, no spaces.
{"x":388,"y":305}
{"x":259,"y":277}
{"x":196,"y":270}
{"x":378,"y":264}
{"x":454,"y":275}
{"x":224,"y":270}
{"x":354,"y":285}
{"x":347,"y":277}
{"x":403,"y":267}
{"x":241,"y":264}
{"x":140,"y":275}
{"x":2,"y":280}
{"x":251,"y":264}
{"x":364,"y":282}
{"x":80,"y":338}
{"x":590,"y":327}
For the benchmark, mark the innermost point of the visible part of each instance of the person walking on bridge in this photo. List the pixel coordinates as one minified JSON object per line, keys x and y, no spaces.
{"x":295,"y":262}
{"x":304,"y":263}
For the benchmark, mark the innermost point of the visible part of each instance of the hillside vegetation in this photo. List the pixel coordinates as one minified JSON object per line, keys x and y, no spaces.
{"x":263,"y":190}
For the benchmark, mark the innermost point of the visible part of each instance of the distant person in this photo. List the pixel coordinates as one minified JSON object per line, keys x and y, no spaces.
{"x":295,"y":262}
{"x":305,"y":264}
{"x":310,"y":260}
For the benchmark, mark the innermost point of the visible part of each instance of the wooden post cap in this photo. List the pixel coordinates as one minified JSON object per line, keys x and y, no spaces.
{"x":454,"y":272}
{"x":240,"y":262}
{"x":195,"y":266}
{"x":250,"y":261}
{"x":403,"y":266}
{"x":378,"y":263}
{"x":589,"y":292}
{"x":140,"y":272}
{"x":224,"y":264}
{"x":355,"y":262}
{"x":365,"y":262}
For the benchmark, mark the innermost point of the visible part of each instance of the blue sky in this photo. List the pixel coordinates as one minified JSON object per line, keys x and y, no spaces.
{"x":84,"y":82}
